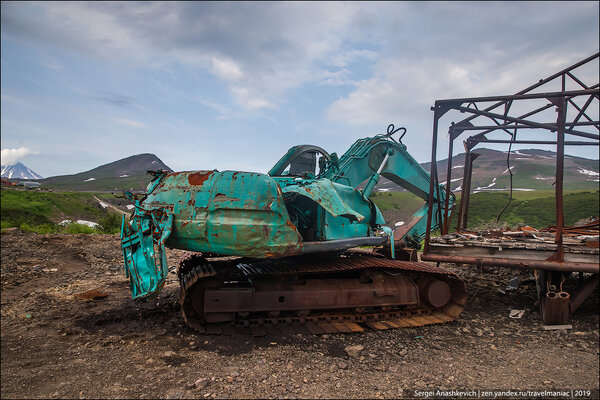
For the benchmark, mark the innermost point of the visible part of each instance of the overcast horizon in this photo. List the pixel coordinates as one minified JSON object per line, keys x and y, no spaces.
{"x":233,"y":85}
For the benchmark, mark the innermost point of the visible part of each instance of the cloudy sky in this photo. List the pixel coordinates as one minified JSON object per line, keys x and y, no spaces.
{"x":234,"y":85}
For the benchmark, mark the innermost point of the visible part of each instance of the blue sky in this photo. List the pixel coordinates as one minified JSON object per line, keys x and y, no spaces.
{"x":231,"y":85}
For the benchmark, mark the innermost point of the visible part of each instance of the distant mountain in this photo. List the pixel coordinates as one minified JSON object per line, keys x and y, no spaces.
{"x":532,"y":169}
{"x":19,"y":171}
{"x":128,"y":173}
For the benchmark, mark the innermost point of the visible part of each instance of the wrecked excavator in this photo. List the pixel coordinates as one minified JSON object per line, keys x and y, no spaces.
{"x":299,"y":246}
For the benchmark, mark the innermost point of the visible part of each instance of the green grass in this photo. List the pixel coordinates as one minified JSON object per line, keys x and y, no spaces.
{"x":538,"y":212}
{"x":76,"y":228}
{"x":537,"y":209}
{"x":397,"y":200}
{"x":39,"y":211}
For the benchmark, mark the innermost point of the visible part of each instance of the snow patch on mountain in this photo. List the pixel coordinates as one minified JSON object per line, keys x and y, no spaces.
{"x":452,"y":180}
{"x":587,"y":172}
{"x":503,"y":190}
{"x":486,"y":187}
{"x":90,"y":179}
{"x":593,"y":174}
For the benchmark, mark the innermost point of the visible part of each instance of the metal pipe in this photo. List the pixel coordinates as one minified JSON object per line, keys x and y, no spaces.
{"x":517,"y":126}
{"x":530,"y":113}
{"x":540,"y":83}
{"x":467,"y":190}
{"x":518,"y":120}
{"x":502,"y":99}
{"x":461,"y":206}
{"x":432,"y":171}
{"x":573,"y":123}
{"x":375,"y":177}
{"x":567,"y":143}
{"x":560,"y":161}
{"x":512,"y":263}
{"x":448,"y":181}
{"x":341,"y":244}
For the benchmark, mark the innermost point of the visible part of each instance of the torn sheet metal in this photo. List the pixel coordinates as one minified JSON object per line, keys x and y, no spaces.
{"x":327,"y":194}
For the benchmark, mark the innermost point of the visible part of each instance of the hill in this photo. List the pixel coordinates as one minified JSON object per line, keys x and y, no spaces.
{"x":42,"y":211}
{"x":128,"y":173}
{"x":536,"y":209}
{"x":532,"y":170}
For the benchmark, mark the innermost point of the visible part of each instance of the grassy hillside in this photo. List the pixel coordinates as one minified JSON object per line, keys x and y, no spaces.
{"x":537,"y":212}
{"x":136,"y":183}
{"x":536,"y":209}
{"x":532,"y":169}
{"x":42,"y":211}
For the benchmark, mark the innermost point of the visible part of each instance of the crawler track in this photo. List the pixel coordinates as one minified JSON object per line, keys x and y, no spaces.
{"x":204,"y":279}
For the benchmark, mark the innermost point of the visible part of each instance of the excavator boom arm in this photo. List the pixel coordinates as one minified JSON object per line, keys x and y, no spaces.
{"x":370,"y":158}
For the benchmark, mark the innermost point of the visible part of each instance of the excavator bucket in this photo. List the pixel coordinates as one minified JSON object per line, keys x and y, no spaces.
{"x":143,"y":243}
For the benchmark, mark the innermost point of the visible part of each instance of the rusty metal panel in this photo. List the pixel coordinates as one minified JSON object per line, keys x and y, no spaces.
{"x":229,"y":213}
{"x":326,"y":194}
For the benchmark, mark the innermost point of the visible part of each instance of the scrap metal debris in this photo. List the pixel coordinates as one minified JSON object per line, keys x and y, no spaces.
{"x":513,"y":284}
{"x":575,"y":238}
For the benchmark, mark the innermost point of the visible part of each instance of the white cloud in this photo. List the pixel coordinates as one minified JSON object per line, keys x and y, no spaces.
{"x":456,"y":53}
{"x":249,"y":99}
{"x":129,"y":122}
{"x":52,"y":66}
{"x":264,"y":49}
{"x":13,"y":156}
{"x":226,"y":69}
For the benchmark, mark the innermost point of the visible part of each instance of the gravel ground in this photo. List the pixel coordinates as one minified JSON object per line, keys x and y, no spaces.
{"x":56,"y":345}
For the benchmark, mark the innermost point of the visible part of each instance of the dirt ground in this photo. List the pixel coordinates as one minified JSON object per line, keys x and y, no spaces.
{"x":56,"y":345}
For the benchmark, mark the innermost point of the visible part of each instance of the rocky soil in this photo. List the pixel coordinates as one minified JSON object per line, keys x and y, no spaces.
{"x":57,"y":343}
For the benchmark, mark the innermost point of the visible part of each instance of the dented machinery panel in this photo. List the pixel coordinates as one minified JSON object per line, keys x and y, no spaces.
{"x":344,"y":208}
{"x":228,"y":213}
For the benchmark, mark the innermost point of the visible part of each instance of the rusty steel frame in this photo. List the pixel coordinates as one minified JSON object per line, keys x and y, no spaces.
{"x":555,"y":306}
{"x":504,"y":121}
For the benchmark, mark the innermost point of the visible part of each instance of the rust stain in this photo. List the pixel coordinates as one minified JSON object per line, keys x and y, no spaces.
{"x":199,"y":178}
{"x":291,"y":225}
{"x":223,"y":197}
{"x":266,"y":231}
